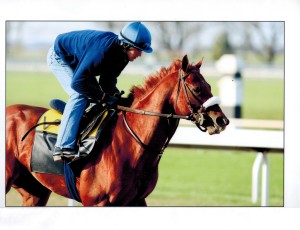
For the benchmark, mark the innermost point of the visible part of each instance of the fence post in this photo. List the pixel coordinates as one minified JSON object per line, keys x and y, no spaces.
{"x":230,"y":85}
{"x":71,"y":202}
{"x":265,"y":180}
{"x":256,"y":168}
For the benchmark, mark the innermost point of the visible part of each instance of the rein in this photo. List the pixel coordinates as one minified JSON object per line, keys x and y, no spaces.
{"x":146,"y":147}
{"x":143,"y":112}
{"x":139,"y":140}
{"x":195,"y":117}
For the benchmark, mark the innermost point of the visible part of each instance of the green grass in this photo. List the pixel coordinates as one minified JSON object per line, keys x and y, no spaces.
{"x":40,"y":87}
{"x":195,"y":177}
{"x":187,"y":177}
{"x":264,"y":99}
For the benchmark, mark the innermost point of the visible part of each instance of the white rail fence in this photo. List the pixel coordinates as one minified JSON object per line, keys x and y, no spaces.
{"x":254,"y":140}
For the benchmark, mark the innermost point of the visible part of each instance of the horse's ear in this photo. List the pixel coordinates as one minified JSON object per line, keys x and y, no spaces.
{"x":199,"y":64}
{"x":185,"y":63}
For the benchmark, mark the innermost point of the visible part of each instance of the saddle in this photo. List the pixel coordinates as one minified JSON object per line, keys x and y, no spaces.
{"x":95,"y":119}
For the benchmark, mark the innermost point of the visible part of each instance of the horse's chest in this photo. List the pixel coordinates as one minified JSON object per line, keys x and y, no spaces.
{"x":145,"y":182}
{"x":129,"y":184}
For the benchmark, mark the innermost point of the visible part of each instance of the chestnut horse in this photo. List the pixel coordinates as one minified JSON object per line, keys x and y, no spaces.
{"x":125,"y":170}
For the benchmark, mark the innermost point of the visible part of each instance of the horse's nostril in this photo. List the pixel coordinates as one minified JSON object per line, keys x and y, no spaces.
{"x":227,"y":121}
{"x":222,"y":121}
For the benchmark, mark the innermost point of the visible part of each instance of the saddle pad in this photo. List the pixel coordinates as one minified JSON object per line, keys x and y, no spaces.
{"x":45,"y":139}
{"x":49,"y":116}
{"x":42,"y":161}
{"x":42,"y":154}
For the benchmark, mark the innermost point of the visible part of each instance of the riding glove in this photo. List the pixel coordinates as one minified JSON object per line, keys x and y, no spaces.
{"x":110,"y":100}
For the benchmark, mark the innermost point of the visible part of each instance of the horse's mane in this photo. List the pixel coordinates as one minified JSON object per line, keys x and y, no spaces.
{"x":152,"y":80}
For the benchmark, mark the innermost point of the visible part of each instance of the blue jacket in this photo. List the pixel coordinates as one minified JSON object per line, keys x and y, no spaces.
{"x":92,"y":53}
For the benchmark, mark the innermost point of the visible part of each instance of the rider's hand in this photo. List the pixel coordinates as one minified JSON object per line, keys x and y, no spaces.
{"x":118,"y":95}
{"x":111,"y":100}
{"x":123,"y":101}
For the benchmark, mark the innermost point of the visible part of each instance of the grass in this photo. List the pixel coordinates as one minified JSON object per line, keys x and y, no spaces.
{"x":38,"y":88}
{"x":188,"y":177}
{"x":264,"y":99}
{"x":195,"y":177}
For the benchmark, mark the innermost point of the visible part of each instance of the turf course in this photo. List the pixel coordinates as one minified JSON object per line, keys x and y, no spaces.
{"x":188,"y":177}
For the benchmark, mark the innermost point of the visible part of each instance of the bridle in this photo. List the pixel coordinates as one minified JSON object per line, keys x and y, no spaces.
{"x":196,"y":115}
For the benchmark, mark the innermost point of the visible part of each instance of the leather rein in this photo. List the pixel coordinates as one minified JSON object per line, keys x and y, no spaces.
{"x":195,"y":117}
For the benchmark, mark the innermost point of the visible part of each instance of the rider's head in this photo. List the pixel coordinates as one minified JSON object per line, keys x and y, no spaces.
{"x":136,"y":35}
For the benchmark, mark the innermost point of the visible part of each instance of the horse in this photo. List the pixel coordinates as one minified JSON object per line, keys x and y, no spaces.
{"x":125,"y":169}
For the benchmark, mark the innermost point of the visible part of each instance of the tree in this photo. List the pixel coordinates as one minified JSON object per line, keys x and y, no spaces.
{"x":222,"y":46}
{"x":14,"y":44}
{"x":176,"y":37}
{"x":264,"y":38}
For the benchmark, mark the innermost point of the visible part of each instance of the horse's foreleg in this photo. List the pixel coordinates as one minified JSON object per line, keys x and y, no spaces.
{"x":105,"y":202}
{"x":138,"y":203}
{"x":142,"y":203}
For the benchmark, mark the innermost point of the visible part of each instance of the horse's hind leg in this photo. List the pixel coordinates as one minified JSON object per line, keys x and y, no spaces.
{"x":33,"y":193}
{"x":31,"y":200}
{"x":11,"y":172}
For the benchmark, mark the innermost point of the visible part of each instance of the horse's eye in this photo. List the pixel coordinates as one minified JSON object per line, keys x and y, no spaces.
{"x":197,"y":90}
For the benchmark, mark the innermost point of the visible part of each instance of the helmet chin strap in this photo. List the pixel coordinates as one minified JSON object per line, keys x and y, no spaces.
{"x":125,"y":46}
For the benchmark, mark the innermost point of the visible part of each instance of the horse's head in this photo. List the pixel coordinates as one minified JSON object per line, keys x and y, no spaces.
{"x":194,"y":98}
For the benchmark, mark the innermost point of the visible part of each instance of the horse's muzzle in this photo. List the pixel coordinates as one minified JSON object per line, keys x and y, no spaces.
{"x":215,"y":125}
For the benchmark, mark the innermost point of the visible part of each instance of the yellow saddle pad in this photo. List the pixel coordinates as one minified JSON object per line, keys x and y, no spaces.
{"x":54,"y":116}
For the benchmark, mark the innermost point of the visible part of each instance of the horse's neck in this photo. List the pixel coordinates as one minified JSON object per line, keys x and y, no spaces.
{"x":157,"y":100}
{"x":155,"y":131}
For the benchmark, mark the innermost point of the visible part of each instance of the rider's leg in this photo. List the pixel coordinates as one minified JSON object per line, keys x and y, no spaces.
{"x":70,"y":121}
{"x":74,"y":109}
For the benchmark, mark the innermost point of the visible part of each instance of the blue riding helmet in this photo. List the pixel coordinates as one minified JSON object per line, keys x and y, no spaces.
{"x":137,"y":35}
